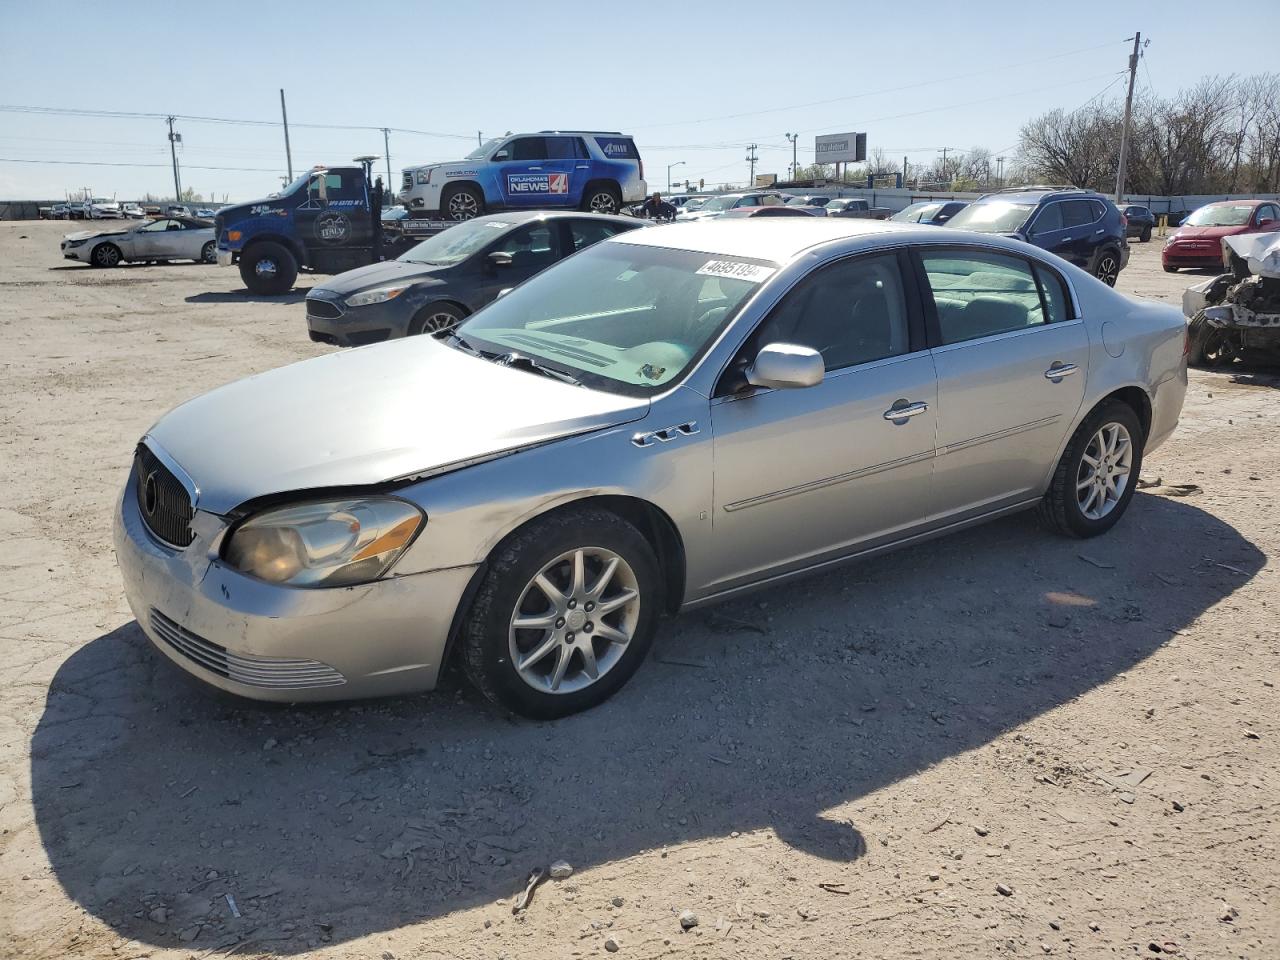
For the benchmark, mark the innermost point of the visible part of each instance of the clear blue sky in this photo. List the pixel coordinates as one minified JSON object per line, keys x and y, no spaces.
{"x":693,"y":81}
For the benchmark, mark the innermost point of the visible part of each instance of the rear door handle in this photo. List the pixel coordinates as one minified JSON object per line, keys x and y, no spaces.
{"x":896,"y":413}
{"x":1060,"y":370}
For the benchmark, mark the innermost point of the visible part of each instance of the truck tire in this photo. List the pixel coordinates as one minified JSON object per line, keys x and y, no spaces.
{"x":461,"y":202}
{"x":602,"y":197}
{"x":268,"y":269}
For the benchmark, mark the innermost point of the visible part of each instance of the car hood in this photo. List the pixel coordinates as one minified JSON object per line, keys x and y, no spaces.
{"x":377,"y":275}
{"x":86,"y":234}
{"x":394,"y":410}
{"x":1207,"y":233}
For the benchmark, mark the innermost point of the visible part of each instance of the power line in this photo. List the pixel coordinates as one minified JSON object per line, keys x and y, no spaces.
{"x":105,"y":163}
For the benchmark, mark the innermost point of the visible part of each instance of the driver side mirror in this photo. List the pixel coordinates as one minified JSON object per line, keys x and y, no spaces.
{"x":1267,"y":224}
{"x":501,"y":155}
{"x":786,"y":366}
{"x":499,"y":258}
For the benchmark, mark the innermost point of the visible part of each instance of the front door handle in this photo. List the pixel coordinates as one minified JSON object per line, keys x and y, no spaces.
{"x":896,"y":413}
{"x":535,"y":168}
{"x":1060,"y":370}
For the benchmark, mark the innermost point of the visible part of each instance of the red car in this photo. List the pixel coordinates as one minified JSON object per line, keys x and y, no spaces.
{"x":1198,"y":242}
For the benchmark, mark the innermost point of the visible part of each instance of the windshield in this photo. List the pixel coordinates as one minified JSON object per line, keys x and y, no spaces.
{"x":456,"y":243}
{"x":697,"y":203}
{"x":300,"y":182}
{"x":720,"y":203}
{"x":916,"y":212}
{"x":482,"y":151}
{"x":1225,"y":215}
{"x":618,"y":316}
{"x":798,"y":201}
{"x":998,"y":216}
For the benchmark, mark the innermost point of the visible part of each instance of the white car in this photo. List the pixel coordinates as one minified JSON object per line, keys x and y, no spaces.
{"x":718,"y":206}
{"x":133,"y":211}
{"x":173,"y":238}
{"x":103,"y":209}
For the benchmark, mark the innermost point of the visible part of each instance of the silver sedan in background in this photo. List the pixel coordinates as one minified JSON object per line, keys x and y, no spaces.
{"x":172,"y":238}
{"x":666,"y":419}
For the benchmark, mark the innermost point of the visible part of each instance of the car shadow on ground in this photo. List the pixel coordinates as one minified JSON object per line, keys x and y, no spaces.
{"x":156,"y":796}
{"x":296,"y":295}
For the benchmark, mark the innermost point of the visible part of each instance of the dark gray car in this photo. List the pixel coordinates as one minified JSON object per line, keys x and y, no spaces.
{"x":434,"y":286}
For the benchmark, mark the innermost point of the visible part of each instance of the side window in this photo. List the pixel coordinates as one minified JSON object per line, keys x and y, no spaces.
{"x":176,"y":225}
{"x":748,"y":202}
{"x":157,"y":226}
{"x":1055,"y":294}
{"x":1267,"y":212}
{"x":1048,"y":219}
{"x":529,"y":148}
{"x":583,"y":233}
{"x":980,"y":294}
{"x":562,"y":148}
{"x":1078,"y":213}
{"x":532,"y":246}
{"x":851,"y":312}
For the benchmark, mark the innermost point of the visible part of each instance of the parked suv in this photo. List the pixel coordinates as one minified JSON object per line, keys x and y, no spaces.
{"x":553,"y":169}
{"x":1080,"y":226}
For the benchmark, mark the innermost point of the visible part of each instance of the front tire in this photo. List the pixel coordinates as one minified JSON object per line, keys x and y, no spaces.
{"x":436,"y":320}
{"x":268,"y":269}
{"x":1169,"y":269}
{"x":106,"y":255}
{"x":1207,"y":345}
{"x":209,"y":253}
{"x":462,"y":202}
{"x":1095,"y":479}
{"x":565,"y":614}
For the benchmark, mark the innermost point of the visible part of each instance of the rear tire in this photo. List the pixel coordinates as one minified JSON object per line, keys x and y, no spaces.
{"x":1145,"y":236}
{"x":1067,"y":507}
{"x":461,"y":202}
{"x":601,"y":198}
{"x":209,"y":253}
{"x":106,"y":255}
{"x":1169,"y":269}
{"x":436,"y":319}
{"x":1106,"y":266}
{"x":268,"y":269}
{"x":546,"y":551}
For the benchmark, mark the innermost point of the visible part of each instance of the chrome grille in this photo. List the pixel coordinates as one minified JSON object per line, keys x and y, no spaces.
{"x":323,"y":309}
{"x":271,"y":672}
{"x":162,"y":499}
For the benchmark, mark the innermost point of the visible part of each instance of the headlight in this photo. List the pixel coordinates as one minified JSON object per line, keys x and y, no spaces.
{"x":380,"y":295}
{"x":331,"y":544}
{"x":424,"y":176}
{"x":78,"y":243}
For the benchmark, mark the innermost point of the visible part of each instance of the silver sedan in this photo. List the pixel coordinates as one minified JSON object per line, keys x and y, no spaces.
{"x":173,"y":238}
{"x":666,"y":419}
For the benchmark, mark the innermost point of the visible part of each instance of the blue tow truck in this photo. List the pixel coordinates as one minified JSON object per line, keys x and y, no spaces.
{"x":329,"y":220}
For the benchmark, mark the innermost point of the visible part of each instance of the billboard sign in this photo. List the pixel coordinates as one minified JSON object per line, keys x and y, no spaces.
{"x":766,"y":179}
{"x":840,"y":148}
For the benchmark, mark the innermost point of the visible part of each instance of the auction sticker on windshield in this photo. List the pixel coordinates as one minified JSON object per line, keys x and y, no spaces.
{"x":751,"y":272}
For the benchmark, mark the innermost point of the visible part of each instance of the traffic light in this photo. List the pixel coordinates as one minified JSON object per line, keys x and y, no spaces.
{"x":701,"y":183}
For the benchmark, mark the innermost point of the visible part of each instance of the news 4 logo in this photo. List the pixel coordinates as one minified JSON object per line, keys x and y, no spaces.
{"x":538,"y":182}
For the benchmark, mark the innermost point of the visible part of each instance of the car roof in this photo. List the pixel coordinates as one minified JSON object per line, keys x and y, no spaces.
{"x":1248,"y":201}
{"x":526,"y":216}
{"x":779,"y":240}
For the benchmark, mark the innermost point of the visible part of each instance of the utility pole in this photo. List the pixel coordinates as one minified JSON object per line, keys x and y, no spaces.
{"x":174,"y":140}
{"x":670,"y":167}
{"x":795,"y":166}
{"x":1000,"y":171}
{"x":904,"y":171}
{"x":288,"y":154}
{"x":386,"y":143}
{"x":479,"y":139}
{"x":1128,"y":116}
{"x":752,"y":158}
{"x":944,"y":152}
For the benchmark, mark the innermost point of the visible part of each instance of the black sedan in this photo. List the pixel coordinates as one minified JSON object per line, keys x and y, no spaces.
{"x":435,"y":285}
{"x":1141,"y":221}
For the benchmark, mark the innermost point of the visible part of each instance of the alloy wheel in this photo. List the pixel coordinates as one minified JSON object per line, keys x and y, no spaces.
{"x":266,"y":268}
{"x":1108,"y":269}
{"x":602,"y":202}
{"x":1104,"y":473}
{"x":463,"y":206}
{"x":574,"y":620}
{"x":434,"y":324}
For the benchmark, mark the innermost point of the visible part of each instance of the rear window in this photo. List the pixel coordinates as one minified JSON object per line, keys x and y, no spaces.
{"x":618,"y":148}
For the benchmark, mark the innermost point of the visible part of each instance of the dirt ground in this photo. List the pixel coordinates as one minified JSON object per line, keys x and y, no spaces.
{"x":1001,"y":743}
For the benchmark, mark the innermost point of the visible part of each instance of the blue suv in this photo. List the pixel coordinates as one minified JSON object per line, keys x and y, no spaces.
{"x":1080,"y":226}
{"x":549,"y":170}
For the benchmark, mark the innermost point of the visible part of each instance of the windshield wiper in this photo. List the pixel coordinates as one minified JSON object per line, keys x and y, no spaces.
{"x":452,"y":337}
{"x":528,"y":363}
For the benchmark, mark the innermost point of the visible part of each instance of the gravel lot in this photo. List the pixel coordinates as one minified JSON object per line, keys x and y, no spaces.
{"x":998,"y":743}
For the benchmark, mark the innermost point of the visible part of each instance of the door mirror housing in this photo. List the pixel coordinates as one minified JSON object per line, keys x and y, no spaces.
{"x":1267,"y":224}
{"x":502,"y":155}
{"x":786,"y":366}
{"x":499,"y":258}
